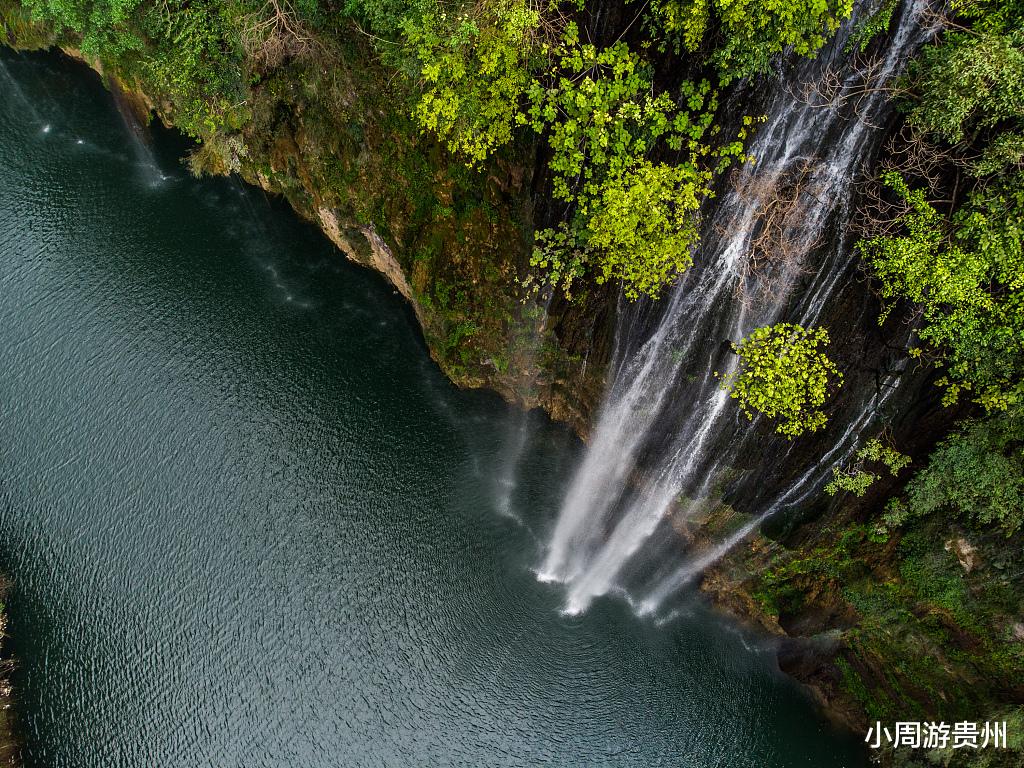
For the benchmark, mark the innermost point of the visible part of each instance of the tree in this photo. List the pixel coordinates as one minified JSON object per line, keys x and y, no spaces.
{"x":967,"y":275}
{"x":475,"y":68}
{"x":976,"y":474}
{"x":784,"y":374}
{"x":740,"y":37}
{"x":631,"y":218}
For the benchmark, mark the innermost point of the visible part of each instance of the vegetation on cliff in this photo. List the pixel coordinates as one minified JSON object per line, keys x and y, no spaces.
{"x":632,"y":148}
{"x":927,"y":583}
{"x":784,"y":374}
{"x":632,"y":161}
{"x":950,"y":240}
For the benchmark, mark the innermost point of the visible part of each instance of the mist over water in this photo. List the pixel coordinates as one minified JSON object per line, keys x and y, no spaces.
{"x":250,"y":524}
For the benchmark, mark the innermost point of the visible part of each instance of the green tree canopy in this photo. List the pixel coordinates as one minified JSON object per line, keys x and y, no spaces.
{"x":977,"y":474}
{"x":784,"y":374}
{"x":475,"y":68}
{"x":967,"y":274}
{"x":740,"y":37}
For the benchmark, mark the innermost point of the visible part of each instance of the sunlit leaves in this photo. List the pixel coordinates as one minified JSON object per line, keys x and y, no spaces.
{"x":784,"y":374}
{"x":742,"y":36}
{"x":645,"y":225}
{"x":600,"y":116}
{"x":967,"y":274}
{"x":475,"y":71}
{"x":870,"y":458}
{"x":634,"y":220}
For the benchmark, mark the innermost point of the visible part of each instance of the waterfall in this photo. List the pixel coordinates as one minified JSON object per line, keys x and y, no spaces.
{"x":774,"y":247}
{"x":140,"y":141}
{"x":518,"y":429}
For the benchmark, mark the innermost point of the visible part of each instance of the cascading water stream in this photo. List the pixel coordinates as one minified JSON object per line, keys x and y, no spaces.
{"x":11,"y":86}
{"x":632,"y":474}
{"x":518,"y":427}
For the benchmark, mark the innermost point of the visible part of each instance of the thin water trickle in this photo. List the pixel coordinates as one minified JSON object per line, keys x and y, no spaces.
{"x":517,"y":430}
{"x":140,"y":142}
{"x":12,"y":87}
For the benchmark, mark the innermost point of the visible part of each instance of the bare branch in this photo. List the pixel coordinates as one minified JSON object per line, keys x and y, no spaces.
{"x":275,"y":33}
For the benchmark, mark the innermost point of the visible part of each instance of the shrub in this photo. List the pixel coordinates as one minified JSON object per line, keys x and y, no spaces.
{"x":784,"y":374}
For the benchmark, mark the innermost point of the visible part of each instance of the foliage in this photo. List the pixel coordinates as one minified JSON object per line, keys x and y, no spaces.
{"x":857,"y":479}
{"x":630,"y":218}
{"x":641,"y":231}
{"x":872,"y":27}
{"x":634,"y":219}
{"x":195,"y":63}
{"x":387,"y":17}
{"x":959,"y":257}
{"x":973,"y":81}
{"x":962,"y":259}
{"x":744,"y":35}
{"x":102,"y":24}
{"x":601,"y":116}
{"x":976,"y":474}
{"x":475,"y":68}
{"x":783,"y":373}
{"x":645,"y":224}
{"x":967,"y":274}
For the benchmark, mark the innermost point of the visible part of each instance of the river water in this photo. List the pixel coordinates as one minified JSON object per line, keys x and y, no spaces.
{"x":250,"y":524}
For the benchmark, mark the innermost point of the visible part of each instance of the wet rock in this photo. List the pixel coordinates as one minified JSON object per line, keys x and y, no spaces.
{"x":809,"y":658}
